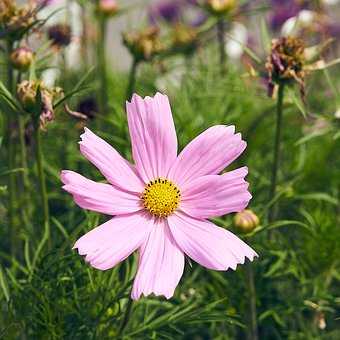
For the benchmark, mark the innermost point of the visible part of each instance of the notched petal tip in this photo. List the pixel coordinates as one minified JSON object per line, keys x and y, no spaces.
{"x":136,"y":97}
{"x":136,"y":296}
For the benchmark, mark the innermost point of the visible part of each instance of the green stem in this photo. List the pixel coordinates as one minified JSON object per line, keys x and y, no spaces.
{"x":42,"y":181}
{"x":84,"y":37}
{"x":103,"y":98}
{"x":221,"y":44}
{"x":126,"y":317}
{"x":11,"y":159}
{"x":277,"y":152}
{"x":24,"y":173}
{"x":132,"y":79}
{"x":253,"y":330}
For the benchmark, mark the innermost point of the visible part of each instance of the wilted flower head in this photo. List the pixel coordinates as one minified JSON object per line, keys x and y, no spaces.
{"x":144,"y":44}
{"x":89,"y":107}
{"x":27,"y":92}
{"x":107,"y":7}
{"x":14,"y":19}
{"x":220,"y":7}
{"x":22,"y":58}
{"x":162,"y":203}
{"x":286,"y":62}
{"x":59,"y":34}
{"x":246,"y":221}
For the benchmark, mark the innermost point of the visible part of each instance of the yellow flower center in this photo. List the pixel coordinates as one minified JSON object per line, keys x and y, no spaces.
{"x":161,"y":197}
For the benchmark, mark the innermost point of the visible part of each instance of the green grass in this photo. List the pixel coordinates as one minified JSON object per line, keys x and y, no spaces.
{"x":55,"y":295}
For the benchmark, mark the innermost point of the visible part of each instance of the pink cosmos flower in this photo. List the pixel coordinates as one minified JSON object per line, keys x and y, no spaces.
{"x":161,"y":204}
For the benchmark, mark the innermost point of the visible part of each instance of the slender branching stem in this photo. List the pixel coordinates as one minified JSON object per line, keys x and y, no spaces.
{"x":132,"y":79}
{"x":277,"y":153}
{"x":42,"y":181}
{"x":221,"y":44}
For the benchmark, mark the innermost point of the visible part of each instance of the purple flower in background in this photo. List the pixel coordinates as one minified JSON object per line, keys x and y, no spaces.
{"x":170,"y":11}
{"x":174,"y":11}
{"x":44,"y":3}
{"x":199,"y":19}
{"x":333,"y":29}
{"x":283,"y":10}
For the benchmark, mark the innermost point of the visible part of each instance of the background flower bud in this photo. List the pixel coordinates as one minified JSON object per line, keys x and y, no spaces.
{"x":220,"y":7}
{"x":246,"y":221}
{"x":21,"y":58}
{"x":107,"y":7}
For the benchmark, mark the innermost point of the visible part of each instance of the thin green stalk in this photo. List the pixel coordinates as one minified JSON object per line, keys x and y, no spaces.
{"x":84,"y":37}
{"x":253,"y":329}
{"x":103,"y":97}
{"x":132,"y":79}
{"x":24,"y":174}
{"x":42,"y":182}
{"x":126,"y":317}
{"x":11,"y":160}
{"x":277,"y":152}
{"x":221,"y":44}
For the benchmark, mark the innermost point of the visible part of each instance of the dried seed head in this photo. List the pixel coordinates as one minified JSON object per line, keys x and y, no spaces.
{"x":60,"y":35}
{"x":246,"y":221}
{"x":14,"y":19}
{"x":22,"y":58}
{"x":286,"y":62}
{"x":184,"y":38}
{"x":27,"y":92}
{"x":89,"y":107}
{"x":144,"y":44}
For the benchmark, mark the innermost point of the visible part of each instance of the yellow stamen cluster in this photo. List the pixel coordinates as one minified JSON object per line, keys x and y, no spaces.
{"x":161,"y":197}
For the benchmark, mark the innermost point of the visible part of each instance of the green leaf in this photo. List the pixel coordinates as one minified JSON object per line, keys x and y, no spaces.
{"x":4,"y":284}
{"x":265,"y":36}
{"x":318,"y":196}
{"x":311,"y":136}
{"x":247,"y":50}
{"x":77,"y":89}
{"x":297,"y":101}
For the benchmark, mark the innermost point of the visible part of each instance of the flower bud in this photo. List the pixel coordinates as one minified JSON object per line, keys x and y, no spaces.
{"x":107,"y":7}
{"x":59,"y":34}
{"x":246,"y":221}
{"x":220,"y":7}
{"x":21,"y":58}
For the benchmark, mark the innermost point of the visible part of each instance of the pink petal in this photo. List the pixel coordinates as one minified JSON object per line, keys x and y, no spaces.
{"x":115,"y":240}
{"x":207,"y":154}
{"x":207,"y":244}
{"x":153,"y":135}
{"x":100,"y":197}
{"x":215,"y":195}
{"x":161,"y":264}
{"x":111,"y":164}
